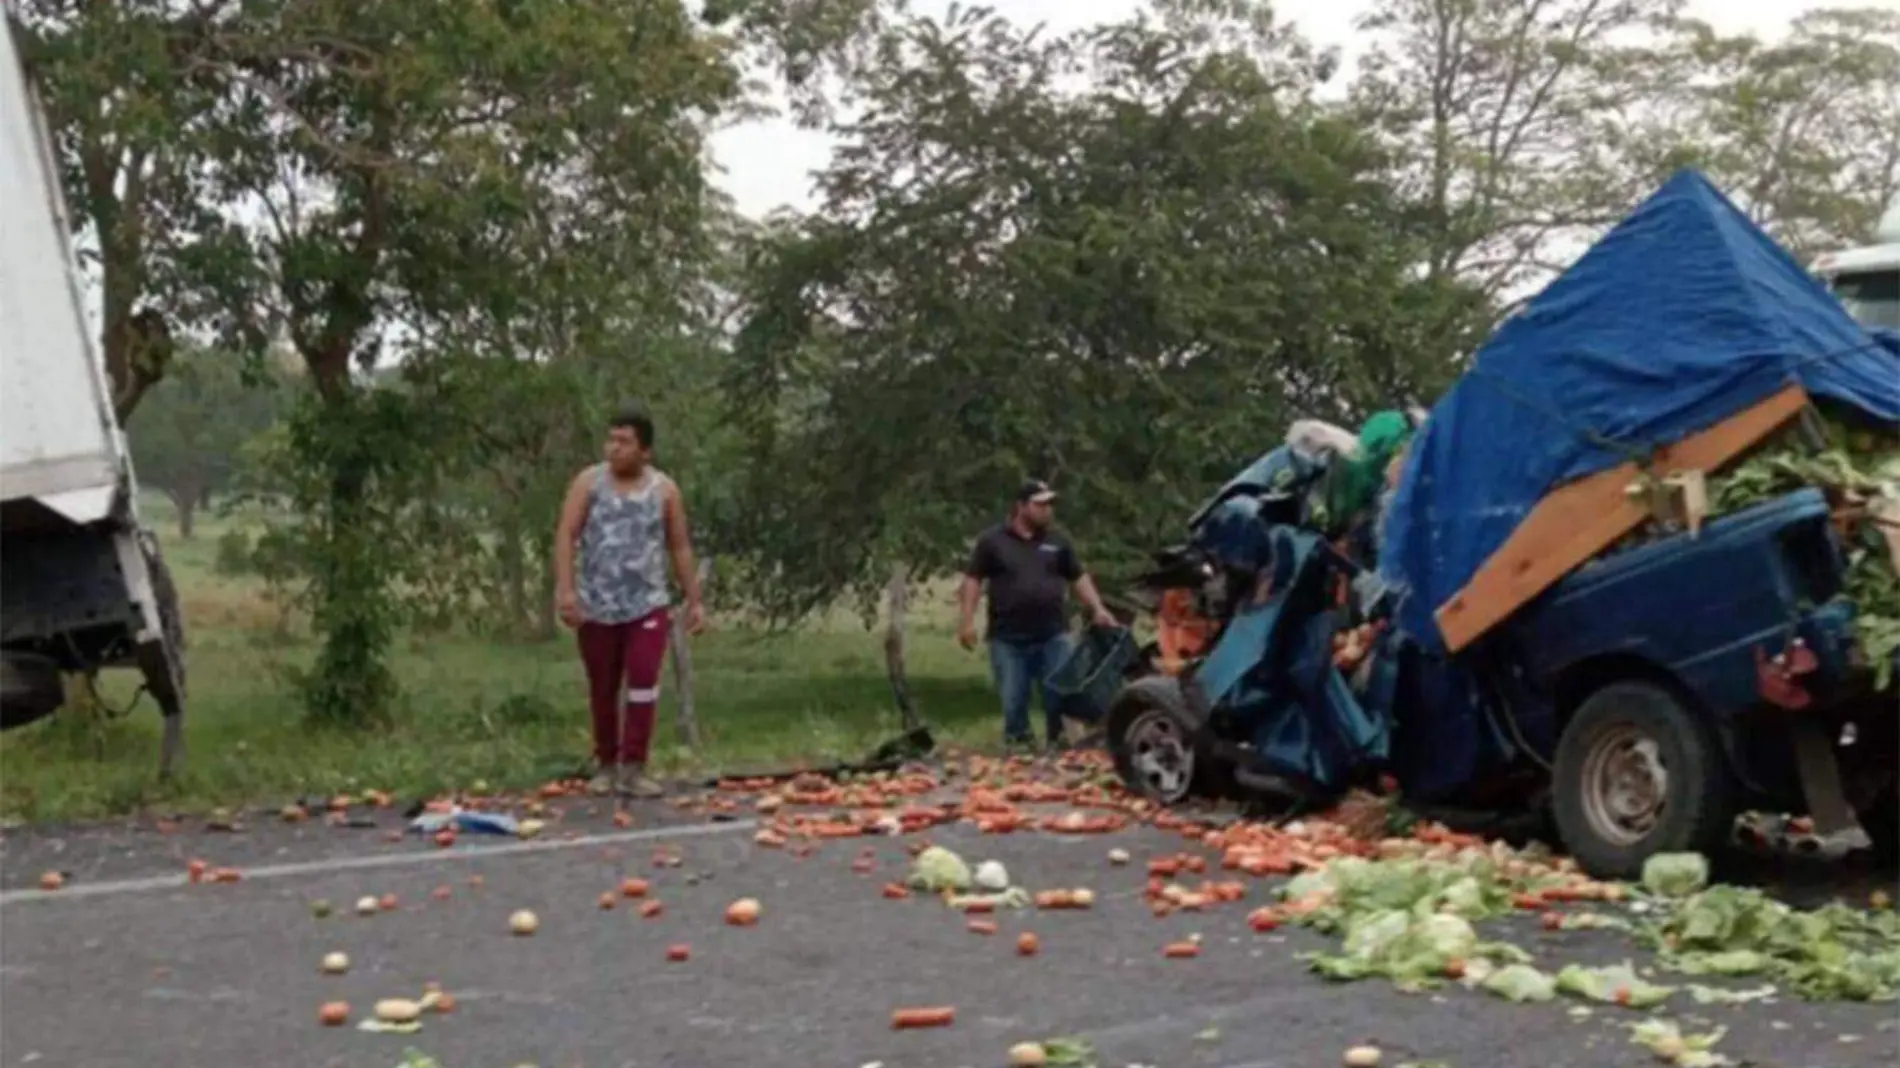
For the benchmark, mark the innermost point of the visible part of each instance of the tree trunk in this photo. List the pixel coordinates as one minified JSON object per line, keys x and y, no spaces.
{"x":686,"y":716}
{"x":187,"y":516}
{"x":546,"y":625}
{"x":897,"y":611}
{"x":352,"y":605}
{"x":513,"y":551}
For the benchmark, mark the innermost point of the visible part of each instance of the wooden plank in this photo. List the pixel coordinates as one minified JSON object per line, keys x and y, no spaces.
{"x":1580,"y":519}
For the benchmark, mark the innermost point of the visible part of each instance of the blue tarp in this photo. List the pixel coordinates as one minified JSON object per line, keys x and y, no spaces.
{"x":1681,"y":316}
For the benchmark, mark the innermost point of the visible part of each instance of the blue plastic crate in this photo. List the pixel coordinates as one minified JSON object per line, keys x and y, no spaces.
{"x":1087,"y":682}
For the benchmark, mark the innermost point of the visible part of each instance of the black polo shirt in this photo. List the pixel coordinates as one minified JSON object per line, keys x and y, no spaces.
{"x":1028,"y":580}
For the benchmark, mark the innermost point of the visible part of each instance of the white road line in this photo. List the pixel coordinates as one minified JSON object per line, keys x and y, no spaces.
{"x":388,"y":860}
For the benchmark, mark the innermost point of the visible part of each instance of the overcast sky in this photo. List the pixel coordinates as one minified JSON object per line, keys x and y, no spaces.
{"x":769,"y":164}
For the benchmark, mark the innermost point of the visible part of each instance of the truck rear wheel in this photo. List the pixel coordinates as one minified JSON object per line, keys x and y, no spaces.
{"x":1157,"y":744}
{"x":1638,"y":774}
{"x":30,"y":689}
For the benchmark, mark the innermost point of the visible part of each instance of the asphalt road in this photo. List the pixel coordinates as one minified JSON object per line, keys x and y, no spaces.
{"x":126,"y":966}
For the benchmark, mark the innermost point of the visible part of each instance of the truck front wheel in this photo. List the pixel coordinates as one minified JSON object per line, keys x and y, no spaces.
{"x":1157,"y":744}
{"x":1638,"y":774}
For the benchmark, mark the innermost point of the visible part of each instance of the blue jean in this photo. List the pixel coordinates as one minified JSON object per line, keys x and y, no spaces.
{"x":1017,"y":666}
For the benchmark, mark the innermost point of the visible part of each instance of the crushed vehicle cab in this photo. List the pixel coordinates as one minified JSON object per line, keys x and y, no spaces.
{"x":1597,"y":592}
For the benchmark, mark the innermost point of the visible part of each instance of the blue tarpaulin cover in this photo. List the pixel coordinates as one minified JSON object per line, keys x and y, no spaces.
{"x":1682,"y":316}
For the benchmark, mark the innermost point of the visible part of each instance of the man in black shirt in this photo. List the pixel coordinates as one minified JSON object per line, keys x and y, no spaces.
{"x":1028,"y":569}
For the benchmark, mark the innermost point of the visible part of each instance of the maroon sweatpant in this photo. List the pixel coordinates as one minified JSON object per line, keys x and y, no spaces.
{"x":623,"y":684}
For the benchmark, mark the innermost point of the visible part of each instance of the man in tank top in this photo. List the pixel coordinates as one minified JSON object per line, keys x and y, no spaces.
{"x":628,"y":521}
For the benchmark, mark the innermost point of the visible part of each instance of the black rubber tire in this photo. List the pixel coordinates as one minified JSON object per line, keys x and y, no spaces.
{"x":1211,"y":777}
{"x":1698,"y":806}
{"x":30,"y":690}
{"x":1881,"y":821}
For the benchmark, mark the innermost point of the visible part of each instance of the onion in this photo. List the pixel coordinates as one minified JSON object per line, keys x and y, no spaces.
{"x":398,"y":1010}
{"x":1028,"y":1055}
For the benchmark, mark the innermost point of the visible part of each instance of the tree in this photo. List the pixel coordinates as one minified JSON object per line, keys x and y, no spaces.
{"x":1803,"y":132}
{"x":187,"y":436}
{"x":352,"y":175}
{"x":133,"y":108}
{"x":1129,"y":287}
{"x":1510,"y":117}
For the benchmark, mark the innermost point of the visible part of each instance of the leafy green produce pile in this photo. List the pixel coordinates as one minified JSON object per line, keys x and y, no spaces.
{"x":1411,"y":920}
{"x":1829,"y":953}
{"x":1862,"y":464}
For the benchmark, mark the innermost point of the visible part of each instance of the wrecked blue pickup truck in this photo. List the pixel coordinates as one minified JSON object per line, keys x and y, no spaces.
{"x":1522,"y":627}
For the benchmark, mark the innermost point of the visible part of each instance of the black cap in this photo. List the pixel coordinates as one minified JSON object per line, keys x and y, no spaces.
{"x":1035,"y":491}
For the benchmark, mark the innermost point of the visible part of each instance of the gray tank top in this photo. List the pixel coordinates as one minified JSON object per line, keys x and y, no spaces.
{"x":623,"y":550}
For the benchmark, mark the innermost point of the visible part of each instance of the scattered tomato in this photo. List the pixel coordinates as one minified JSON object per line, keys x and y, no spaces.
{"x":333,"y":1014}
{"x":1027,"y":944}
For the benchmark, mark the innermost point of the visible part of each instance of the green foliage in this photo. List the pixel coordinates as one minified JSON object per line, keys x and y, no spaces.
{"x":188,"y":432}
{"x":1804,"y":131}
{"x":236,"y":554}
{"x":137,"y":98}
{"x":347,"y":483}
{"x":1128,"y":287}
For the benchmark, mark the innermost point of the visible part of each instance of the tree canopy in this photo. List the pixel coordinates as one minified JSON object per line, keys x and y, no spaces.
{"x":1121,"y":259}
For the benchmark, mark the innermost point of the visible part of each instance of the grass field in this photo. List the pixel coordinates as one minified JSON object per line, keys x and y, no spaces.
{"x":510,"y":714}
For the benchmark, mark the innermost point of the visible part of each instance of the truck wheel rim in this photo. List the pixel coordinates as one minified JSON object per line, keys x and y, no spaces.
{"x":1625,"y":785}
{"x":1161,"y":755}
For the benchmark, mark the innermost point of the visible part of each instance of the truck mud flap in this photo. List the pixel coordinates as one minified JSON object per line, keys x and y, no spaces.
{"x":1821,"y":784}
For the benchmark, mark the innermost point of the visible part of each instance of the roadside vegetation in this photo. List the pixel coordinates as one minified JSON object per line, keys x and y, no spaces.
{"x":511,"y":713}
